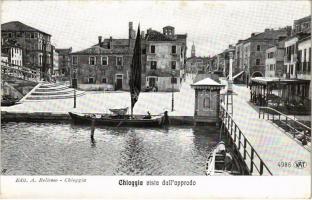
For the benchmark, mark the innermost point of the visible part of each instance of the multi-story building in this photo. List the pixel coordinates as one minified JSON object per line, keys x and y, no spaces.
{"x":274,"y":62}
{"x":165,"y":59}
{"x":105,"y":63}
{"x":13,"y":51}
{"x":35,"y":45}
{"x":301,"y":29}
{"x":196,"y":64}
{"x":304,"y":64}
{"x":64,"y":63}
{"x":254,"y":48}
{"x":55,"y":63}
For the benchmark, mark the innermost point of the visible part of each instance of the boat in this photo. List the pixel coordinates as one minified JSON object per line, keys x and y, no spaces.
{"x":8,"y":101}
{"x":119,"y":111}
{"x":222,"y":161}
{"x":118,"y":120}
{"x":119,"y":116}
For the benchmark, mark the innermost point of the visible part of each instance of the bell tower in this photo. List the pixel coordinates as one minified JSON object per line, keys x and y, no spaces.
{"x":193,"y":51}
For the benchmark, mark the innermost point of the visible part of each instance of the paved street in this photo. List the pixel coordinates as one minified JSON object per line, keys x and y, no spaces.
{"x":270,"y":142}
{"x":156,"y":102}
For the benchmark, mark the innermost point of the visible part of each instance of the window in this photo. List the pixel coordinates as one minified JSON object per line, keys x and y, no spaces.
{"x":92,"y":60}
{"x":310,"y":54}
{"x":258,"y":61}
{"x":152,"y":49}
{"x":105,"y":60}
{"x":153,"y":64}
{"x":173,"y":80}
{"x":143,"y":51}
{"x":104,"y":80}
{"x":91,"y":80}
{"x":206,"y":102}
{"x":18,"y":34}
{"x":63,"y":71}
{"x":173,"y":64}
{"x":119,"y":61}
{"x":305,"y":55}
{"x":75,"y":60}
{"x":32,"y":35}
{"x":174,"y":49}
{"x":258,"y":48}
{"x":10,"y":35}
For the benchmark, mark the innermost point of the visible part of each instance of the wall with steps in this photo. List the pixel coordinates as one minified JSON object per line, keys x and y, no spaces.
{"x":46,"y":91}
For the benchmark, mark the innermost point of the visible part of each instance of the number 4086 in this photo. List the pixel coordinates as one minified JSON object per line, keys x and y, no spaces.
{"x":284,"y":164}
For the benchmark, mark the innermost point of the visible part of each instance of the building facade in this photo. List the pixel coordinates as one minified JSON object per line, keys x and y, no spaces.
{"x":64,"y":63}
{"x":13,"y":51}
{"x":255,"y":47}
{"x":55,"y":63}
{"x":274,"y":62}
{"x":35,"y":45}
{"x":165,"y":59}
{"x":304,"y":64}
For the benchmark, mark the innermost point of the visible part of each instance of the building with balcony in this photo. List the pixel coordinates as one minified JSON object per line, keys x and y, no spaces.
{"x":304,"y":65}
{"x":165,"y":59}
{"x":35,"y":45}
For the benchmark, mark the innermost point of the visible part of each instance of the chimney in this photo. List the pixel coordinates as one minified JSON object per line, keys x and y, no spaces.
{"x":266,"y":30}
{"x":110,"y":43}
{"x":100,"y":40}
{"x":130,"y":30}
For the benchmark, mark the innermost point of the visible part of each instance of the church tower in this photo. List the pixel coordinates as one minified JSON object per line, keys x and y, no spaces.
{"x":193,"y":51}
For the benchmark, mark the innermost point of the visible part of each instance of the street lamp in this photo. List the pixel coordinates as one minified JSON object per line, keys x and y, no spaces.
{"x":172,"y":82}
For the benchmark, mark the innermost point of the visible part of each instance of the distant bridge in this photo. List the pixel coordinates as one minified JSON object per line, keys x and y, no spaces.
{"x":9,"y":70}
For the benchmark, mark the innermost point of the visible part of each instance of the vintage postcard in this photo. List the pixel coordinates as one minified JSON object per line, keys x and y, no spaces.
{"x":156,"y":99}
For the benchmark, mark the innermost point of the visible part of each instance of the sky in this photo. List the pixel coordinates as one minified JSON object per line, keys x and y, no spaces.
{"x":211,"y":25}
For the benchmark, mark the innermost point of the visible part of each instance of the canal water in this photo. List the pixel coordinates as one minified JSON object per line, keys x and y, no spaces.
{"x":66,"y":149}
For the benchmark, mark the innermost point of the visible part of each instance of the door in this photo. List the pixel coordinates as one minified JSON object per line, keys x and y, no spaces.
{"x":118,"y":82}
{"x":152,"y":82}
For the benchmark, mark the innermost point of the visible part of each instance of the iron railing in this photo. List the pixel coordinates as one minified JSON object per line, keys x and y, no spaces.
{"x":288,"y":121}
{"x":243,"y":145}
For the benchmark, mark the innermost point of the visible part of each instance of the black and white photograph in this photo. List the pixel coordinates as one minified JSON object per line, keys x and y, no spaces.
{"x":189,"y":89}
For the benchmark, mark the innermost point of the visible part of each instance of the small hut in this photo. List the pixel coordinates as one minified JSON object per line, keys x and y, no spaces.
{"x":207,"y":101}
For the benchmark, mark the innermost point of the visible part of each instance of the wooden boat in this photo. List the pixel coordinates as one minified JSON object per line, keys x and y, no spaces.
{"x":119,"y":111}
{"x":8,"y":102}
{"x":118,"y":120}
{"x":222,"y":162}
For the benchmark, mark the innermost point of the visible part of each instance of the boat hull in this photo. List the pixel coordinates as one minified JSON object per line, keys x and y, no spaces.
{"x":114,"y":121}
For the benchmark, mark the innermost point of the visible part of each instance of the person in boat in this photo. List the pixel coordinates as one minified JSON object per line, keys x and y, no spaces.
{"x":148,"y":116}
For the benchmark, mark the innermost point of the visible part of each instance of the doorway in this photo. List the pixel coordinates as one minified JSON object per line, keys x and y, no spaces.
{"x":118,"y":82}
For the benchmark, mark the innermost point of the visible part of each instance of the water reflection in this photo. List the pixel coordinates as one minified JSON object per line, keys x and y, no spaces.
{"x":64,"y":149}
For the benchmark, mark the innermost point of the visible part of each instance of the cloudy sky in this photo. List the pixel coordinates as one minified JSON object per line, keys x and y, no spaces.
{"x":211,"y":25}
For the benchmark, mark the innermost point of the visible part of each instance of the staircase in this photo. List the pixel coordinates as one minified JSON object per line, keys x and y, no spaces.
{"x":48,"y":91}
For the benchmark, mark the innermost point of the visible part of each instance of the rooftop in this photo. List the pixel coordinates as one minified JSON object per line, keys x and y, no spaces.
{"x":207,"y":82}
{"x":153,"y":35}
{"x":19,"y":26}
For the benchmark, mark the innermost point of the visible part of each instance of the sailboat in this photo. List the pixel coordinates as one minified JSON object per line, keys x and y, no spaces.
{"x":118,"y":116}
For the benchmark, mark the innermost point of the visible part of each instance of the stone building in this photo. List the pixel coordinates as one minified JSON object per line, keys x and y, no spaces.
{"x":274,"y":62}
{"x":55,"y":63}
{"x":254,"y":49}
{"x":13,"y":51}
{"x":165,"y":59}
{"x":301,"y":29}
{"x":304,"y":65}
{"x":105,"y":65}
{"x":197,"y":64}
{"x":35,"y":44}
{"x":64,"y":63}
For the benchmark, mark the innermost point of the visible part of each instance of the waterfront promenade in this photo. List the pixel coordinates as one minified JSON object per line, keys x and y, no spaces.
{"x":99,"y":101}
{"x":271,"y":142}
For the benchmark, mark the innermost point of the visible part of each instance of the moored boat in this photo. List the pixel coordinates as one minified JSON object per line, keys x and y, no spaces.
{"x":118,"y":120}
{"x":222,"y":161}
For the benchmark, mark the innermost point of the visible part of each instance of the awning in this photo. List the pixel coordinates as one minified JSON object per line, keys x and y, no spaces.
{"x":237,"y":75}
